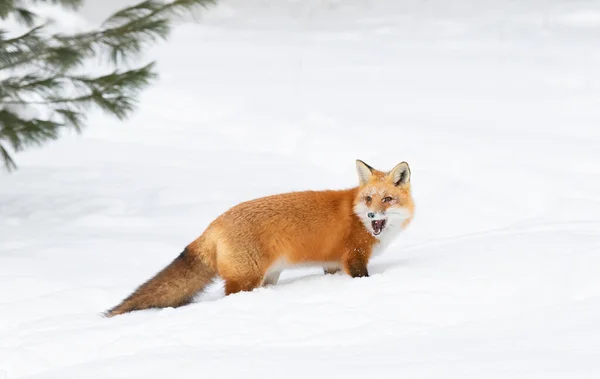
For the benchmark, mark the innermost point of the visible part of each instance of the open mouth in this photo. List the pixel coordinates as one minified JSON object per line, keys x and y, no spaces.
{"x":378,"y":226}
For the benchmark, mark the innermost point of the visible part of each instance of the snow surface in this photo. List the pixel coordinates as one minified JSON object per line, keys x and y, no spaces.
{"x":495,"y":105}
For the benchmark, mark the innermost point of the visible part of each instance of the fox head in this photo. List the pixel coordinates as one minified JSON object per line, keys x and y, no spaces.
{"x":383,"y":202}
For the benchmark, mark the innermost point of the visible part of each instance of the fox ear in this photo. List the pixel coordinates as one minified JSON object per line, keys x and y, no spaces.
{"x":400,"y":174}
{"x":364,"y":171}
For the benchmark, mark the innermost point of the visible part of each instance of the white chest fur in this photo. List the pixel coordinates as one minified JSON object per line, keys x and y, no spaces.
{"x":385,"y":239}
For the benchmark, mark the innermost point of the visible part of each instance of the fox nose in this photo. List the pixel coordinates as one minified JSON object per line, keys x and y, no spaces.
{"x":370,"y":214}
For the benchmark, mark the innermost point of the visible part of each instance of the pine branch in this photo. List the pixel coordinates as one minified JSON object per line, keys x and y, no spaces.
{"x":40,"y":70}
{"x":80,"y":100}
{"x":138,"y":11}
{"x":63,"y":58}
{"x":9,"y":163}
{"x":29,"y":84}
{"x":131,"y":80}
{"x":150,"y":8}
{"x":115,"y":93}
{"x":128,"y":30}
{"x":71,"y":118}
{"x":21,"y":49}
{"x":6,"y":7}
{"x":20,"y":133}
{"x":32,"y":48}
{"x":25,"y":16}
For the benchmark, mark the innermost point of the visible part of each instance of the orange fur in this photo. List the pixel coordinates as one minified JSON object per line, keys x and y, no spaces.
{"x":250,"y":243}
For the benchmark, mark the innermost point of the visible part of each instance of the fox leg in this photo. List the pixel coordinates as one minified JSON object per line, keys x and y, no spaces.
{"x":332,"y":268}
{"x":355,"y":264}
{"x":357,"y":269}
{"x":242,"y":284}
{"x":244,"y":272}
{"x":271,"y":278}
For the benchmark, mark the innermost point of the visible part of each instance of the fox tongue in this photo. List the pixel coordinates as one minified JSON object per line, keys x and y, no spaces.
{"x":378,"y":226}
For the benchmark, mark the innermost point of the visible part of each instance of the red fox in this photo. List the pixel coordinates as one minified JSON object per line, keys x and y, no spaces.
{"x":252,"y":242}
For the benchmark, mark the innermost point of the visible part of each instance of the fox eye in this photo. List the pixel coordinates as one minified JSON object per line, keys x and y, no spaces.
{"x":368,"y":199}
{"x":387,"y":199}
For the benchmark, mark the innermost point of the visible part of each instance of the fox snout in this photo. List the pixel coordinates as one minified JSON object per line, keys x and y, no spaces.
{"x":376,"y":215}
{"x":378,"y":221}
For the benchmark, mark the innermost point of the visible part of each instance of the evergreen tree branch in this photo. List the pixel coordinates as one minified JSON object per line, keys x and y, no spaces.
{"x":25,"y":16}
{"x":15,"y":87}
{"x":40,"y":68}
{"x":150,"y":8}
{"x":114,"y":92}
{"x":127,"y":30}
{"x":21,"y":49}
{"x":9,"y":163}
{"x":6,"y":7}
{"x":32,"y":49}
{"x":78,"y":99}
{"x":71,"y":118}
{"x":23,"y":37}
{"x":20,"y":133}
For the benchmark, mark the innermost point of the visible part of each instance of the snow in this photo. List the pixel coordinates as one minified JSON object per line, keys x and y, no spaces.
{"x":495,"y":106}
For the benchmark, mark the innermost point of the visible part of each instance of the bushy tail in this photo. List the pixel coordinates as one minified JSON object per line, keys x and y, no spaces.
{"x":174,"y":286}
